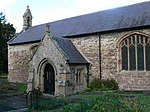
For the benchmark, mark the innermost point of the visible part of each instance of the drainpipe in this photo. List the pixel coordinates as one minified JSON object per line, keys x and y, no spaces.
{"x":87,"y":77}
{"x":65,"y":88}
{"x":100,"y":68}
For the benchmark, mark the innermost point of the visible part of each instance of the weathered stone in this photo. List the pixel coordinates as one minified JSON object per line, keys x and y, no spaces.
{"x":65,"y":74}
{"x":20,"y":55}
{"x":110,"y":60}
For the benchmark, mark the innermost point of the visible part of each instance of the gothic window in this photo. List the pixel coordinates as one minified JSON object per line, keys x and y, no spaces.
{"x":79,"y":76}
{"x":135,"y":53}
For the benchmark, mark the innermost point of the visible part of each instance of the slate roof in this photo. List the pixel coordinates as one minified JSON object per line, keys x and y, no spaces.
{"x":132,"y":16}
{"x":70,"y":50}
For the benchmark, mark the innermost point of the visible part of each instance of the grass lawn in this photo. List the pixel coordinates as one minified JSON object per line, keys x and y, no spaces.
{"x":97,"y":102}
{"x":9,"y":89}
{"x":3,"y":74}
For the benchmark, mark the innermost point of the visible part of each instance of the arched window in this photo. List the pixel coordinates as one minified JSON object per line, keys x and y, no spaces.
{"x":79,"y":76}
{"x":135,"y":53}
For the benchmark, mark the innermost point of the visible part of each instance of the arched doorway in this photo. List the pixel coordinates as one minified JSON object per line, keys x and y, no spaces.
{"x":49,"y":79}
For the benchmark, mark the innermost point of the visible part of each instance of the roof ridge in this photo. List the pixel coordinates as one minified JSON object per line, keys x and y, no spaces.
{"x":117,"y":19}
{"x":78,"y":16}
{"x":119,"y":7}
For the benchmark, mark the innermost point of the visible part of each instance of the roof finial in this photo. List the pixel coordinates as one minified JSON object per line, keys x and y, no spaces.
{"x":47,"y":28}
{"x":27,"y":7}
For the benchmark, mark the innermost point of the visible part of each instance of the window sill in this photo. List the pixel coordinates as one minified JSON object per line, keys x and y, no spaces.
{"x":134,"y":72}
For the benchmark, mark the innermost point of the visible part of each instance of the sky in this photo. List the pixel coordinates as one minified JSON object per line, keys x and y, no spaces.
{"x":44,"y":11}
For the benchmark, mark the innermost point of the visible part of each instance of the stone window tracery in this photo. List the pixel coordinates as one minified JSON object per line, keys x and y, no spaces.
{"x":135,"y":53}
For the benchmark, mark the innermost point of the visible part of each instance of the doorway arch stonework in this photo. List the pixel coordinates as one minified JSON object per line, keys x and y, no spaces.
{"x":40,"y":71}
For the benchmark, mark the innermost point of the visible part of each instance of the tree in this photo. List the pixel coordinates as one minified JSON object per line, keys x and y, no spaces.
{"x":7,"y":31}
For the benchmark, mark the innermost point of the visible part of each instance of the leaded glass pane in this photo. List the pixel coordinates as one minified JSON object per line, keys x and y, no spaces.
{"x":132,"y":58}
{"x":129,"y":41}
{"x":137,"y":39}
{"x":125,"y":42}
{"x":146,"y":40}
{"x":142,"y":39}
{"x":134,"y":40}
{"x":124,"y":58}
{"x":147,"y":48}
{"x":140,"y":57}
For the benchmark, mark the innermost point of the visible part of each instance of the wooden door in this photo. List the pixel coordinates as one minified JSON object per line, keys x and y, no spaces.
{"x":49,"y":80}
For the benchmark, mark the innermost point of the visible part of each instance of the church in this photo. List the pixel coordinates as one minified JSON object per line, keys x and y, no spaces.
{"x":62,"y":57}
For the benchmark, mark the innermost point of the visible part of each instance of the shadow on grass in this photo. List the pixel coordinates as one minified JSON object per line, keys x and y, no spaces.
{"x":11,"y":89}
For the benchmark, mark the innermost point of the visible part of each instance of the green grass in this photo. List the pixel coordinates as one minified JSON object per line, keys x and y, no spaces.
{"x":145,"y":101}
{"x":48,"y":104}
{"x":98,"y":102}
{"x":8,"y":89}
{"x":3,"y":74}
{"x":114,"y":102}
{"x":109,"y":84}
{"x":22,"y":87}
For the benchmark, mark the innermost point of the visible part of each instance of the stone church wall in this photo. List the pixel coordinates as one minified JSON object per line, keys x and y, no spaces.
{"x":89,"y":47}
{"x":18,"y":62}
{"x":20,"y":55}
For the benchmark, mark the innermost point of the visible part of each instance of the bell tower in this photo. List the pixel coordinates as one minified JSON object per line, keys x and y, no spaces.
{"x":27,"y":19}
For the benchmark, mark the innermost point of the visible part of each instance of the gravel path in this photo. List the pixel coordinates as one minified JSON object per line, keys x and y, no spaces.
{"x":12,"y":103}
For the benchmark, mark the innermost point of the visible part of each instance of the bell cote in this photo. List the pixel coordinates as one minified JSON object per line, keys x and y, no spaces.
{"x":27,"y":19}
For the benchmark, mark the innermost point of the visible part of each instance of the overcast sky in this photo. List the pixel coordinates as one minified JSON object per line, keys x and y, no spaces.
{"x":44,"y":11}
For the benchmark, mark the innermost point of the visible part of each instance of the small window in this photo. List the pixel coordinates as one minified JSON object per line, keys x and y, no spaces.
{"x":79,"y":76}
{"x":28,"y":21}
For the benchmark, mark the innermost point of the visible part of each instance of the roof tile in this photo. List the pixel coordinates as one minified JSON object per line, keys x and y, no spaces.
{"x":131,"y":16}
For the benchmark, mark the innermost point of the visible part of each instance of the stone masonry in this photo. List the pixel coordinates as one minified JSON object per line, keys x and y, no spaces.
{"x":19,"y":57}
{"x":88,"y":46}
{"x":49,"y":51}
